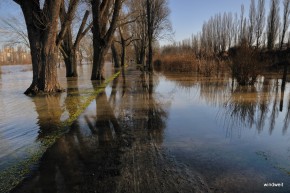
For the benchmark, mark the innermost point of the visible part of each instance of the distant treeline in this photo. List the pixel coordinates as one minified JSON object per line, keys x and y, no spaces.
{"x":242,"y":45}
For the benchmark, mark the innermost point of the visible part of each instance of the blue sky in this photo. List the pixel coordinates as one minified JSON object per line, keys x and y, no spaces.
{"x":187,"y":16}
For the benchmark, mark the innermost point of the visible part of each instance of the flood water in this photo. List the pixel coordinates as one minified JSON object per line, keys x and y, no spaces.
{"x":149,"y":133}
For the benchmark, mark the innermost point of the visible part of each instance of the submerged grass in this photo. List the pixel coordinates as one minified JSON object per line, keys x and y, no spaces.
{"x":12,"y":176}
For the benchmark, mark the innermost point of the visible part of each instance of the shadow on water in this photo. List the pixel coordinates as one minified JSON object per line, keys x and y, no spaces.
{"x":115,"y":146}
{"x":165,"y":133}
{"x":88,"y":155}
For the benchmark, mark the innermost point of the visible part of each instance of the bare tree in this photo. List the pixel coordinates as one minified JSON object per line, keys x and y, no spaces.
{"x":86,"y":48}
{"x":252,"y":23}
{"x":242,"y":34}
{"x":285,"y":22}
{"x":14,"y":31}
{"x":105,"y":18}
{"x":260,"y":22}
{"x":157,"y":21}
{"x":125,"y":36}
{"x":125,"y":40}
{"x":229,"y":31}
{"x":69,"y":47}
{"x":273,"y":24}
{"x":235,"y":29}
{"x":44,"y":39}
{"x":139,"y":29}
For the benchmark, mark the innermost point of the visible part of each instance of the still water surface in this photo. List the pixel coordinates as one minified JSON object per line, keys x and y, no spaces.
{"x":151,"y":133}
{"x":24,"y":119}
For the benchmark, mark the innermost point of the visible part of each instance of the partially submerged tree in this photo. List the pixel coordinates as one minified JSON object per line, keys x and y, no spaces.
{"x":125,"y":37}
{"x":105,"y":18}
{"x":157,"y":21}
{"x":68,"y":47}
{"x":245,"y":64}
{"x":139,"y":30}
{"x":45,"y":39}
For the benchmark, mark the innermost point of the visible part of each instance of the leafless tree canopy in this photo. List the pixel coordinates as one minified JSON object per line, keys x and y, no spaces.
{"x":273,"y":24}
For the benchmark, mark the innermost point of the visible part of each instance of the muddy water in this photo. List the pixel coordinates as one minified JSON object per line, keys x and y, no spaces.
{"x":170,"y":133}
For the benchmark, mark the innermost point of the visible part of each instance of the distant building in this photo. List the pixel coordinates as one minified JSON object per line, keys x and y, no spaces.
{"x":11,"y":55}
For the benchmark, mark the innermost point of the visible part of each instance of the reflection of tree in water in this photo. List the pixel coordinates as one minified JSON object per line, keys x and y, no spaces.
{"x":241,"y":108}
{"x":287,"y":118}
{"x":72,"y":101}
{"x":254,"y":107}
{"x":84,"y":160}
{"x":117,"y":148}
{"x":151,"y":115}
{"x":274,"y":110}
{"x":213,"y":90}
{"x":49,"y":113}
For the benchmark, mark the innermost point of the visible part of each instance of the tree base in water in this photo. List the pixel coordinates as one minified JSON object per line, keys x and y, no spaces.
{"x":35,"y":90}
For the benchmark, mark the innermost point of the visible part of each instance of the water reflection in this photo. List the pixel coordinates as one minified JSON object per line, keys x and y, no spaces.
{"x":257,"y":107}
{"x":240,"y":106}
{"x":88,"y":155}
{"x":49,"y":112}
{"x":92,"y":157}
{"x":234,"y":136}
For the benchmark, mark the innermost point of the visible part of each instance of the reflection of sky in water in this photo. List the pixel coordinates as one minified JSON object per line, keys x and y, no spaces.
{"x":201,"y":128}
{"x":204,"y":127}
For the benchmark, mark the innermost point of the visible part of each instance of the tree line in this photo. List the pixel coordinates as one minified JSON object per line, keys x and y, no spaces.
{"x":244,"y":45}
{"x":261,"y":31}
{"x":51,"y":28}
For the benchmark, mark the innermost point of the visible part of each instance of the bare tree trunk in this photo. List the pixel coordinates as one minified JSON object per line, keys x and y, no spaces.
{"x":44,"y":40}
{"x":150,"y":34}
{"x":69,"y":54}
{"x":98,"y":63}
{"x":44,"y":62}
{"x":273,"y":24}
{"x":103,"y":11}
{"x":42,"y":45}
{"x":123,"y":53}
{"x":115,"y":55}
{"x":260,"y":21}
{"x":68,"y":48}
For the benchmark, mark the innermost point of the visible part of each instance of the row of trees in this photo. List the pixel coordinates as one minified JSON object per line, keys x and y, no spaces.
{"x":223,"y":31}
{"x":243,"y":45}
{"x":50,"y":28}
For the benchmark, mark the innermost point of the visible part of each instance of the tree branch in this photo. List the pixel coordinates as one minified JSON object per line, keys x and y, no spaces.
{"x":80,"y":32}
{"x":68,"y":19}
